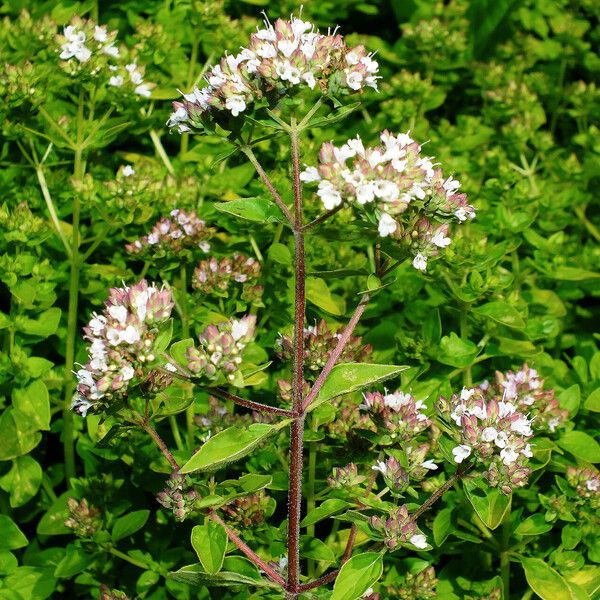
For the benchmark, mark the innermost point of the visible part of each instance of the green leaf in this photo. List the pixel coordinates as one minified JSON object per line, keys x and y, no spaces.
{"x":501,"y":312}
{"x":456,"y":352}
{"x":489,"y":504}
{"x":53,"y":520}
{"x":572,"y":274}
{"x":319,"y":294}
{"x":570,"y":399}
{"x":252,"y":209}
{"x":11,"y":537}
{"x":570,"y":536}
{"x":178,"y":350}
{"x":329,"y":507}
{"x":129,"y":524}
{"x":442,"y":526}
{"x":74,"y":561}
{"x":351,"y":377}
{"x":533,"y":525}
{"x":280,"y":254}
{"x":210,"y":543}
{"x":195,"y":576}
{"x":486,"y":17}
{"x":30,"y":583}
{"x":44,"y":326}
{"x":315,"y":549}
{"x":22,"y":481}
{"x":18,"y":434}
{"x":593,"y":401}
{"x":230,"y":445}
{"x":545,"y":581}
{"x":357,"y":576}
{"x":581,"y":445}
{"x":163,"y":338}
{"x":34,"y":402}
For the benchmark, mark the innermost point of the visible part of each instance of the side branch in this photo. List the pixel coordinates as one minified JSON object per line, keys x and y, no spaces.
{"x":269,"y":185}
{"x":462,"y":469}
{"x":337,"y":352}
{"x":257,"y":560}
{"x":257,"y":406}
{"x":320,"y":219}
{"x":160,"y":443}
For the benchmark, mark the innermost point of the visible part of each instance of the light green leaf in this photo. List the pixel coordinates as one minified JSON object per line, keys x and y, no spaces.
{"x":22,"y":481}
{"x":53,"y":520}
{"x":315,"y":549}
{"x":581,"y":445}
{"x":456,"y":352}
{"x":230,"y":445}
{"x":129,"y":524}
{"x":18,"y":434}
{"x":501,"y":312}
{"x":489,"y":504}
{"x":319,"y":294}
{"x":329,"y":507}
{"x":178,"y":350}
{"x":210,"y":543}
{"x":593,"y":401}
{"x":252,"y":209}
{"x":533,"y":525}
{"x":442,"y":526}
{"x":11,"y":537}
{"x":351,"y":377}
{"x":545,"y":581}
{"x":570,"y":399}
{"x":195,"y":576}
{"x":357,"y":576}
{"x":34,"y":402}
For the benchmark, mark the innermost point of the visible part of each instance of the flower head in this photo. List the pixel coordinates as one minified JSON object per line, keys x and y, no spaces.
{"x":394,"y":186}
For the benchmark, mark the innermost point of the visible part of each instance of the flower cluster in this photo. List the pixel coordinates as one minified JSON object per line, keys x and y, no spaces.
{"x":178,"y":496}
{"x":494,"y":434}
{"x":182,"y":230}
{"x":526,"y":390}
{"x":345,"y":477}
{"x":319,"y":342}
{"x":216,"y":276}
{"x":248,"y":511}
{"x":83,"y":44}
{"x":107,"y":594}
{"x":397,"y":414}
{"x":399,"y":529}
{"x":586,"y":482}
{"x":221,"y":348}
{"x":278,"y":58}
{"x":416,"y":586}
{"x":401,"y":190}
{"x":122,"y":341}
{"x":84,"y":520}
{"x":397,"y":477}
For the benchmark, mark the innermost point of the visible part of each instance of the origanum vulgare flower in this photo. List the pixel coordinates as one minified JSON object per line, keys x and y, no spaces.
{"x":493,"y":434}
{"x":395,"y":187}
{"x":586,"y":482}
{"x":526,"y":390}
{"x":179,"y":496}
{"x":84,"y":520}
{"x":90,"y":48}
{"x":216,"y":276}
{"x":416,"y":586}
{"x":121,"y":346}
{"x":399,"y":529}
{"x":278,"y":58}
{"x":399,"y":415}
{"x":319,"y":342}
{"x":179,"y":231}
{"x":248,"y":511}
{"x":221,"y":348}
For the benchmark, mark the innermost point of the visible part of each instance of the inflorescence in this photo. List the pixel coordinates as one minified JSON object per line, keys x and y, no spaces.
{"x":278,"y":58}
{"x":396,"y":187}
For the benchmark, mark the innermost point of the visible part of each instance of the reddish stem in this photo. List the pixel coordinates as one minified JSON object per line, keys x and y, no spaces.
{"x":337,"y":351}
{"x":323,"y":217}
{"x":257,"y":560}
{"x":160,"y":443}
{"x":257,"y":406}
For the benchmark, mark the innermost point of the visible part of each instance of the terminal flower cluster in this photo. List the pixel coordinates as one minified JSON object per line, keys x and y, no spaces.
{"x":397,"y":414}
{"x":278,"y":58}
{"x":84,"y":520}
{"x":526,"y":390}
{"x":586,"y":482}
{"x":319,"y":342}
{"x":182,"y":229}
{"x":397,"y":187}
{"x":221,"y":348}
{"x":122,"y":342}
{"x":399,"y":529}
{"x":493,"y":433}
{"x":85,"y":45}
{"x":416,"y":586}
{"x":216,"y":276}
{"x":178,"y":496}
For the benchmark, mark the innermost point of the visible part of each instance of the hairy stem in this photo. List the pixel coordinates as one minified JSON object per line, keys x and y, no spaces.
{"x":160,"y":444}
{"x":268,"y":184}
{"x":257,"y":406}
{"x":435,"y":496}
{"x":310,"y":495}
{"x":297,"y":427}
{"x":257,"y":560}
{"x":337,"y":351}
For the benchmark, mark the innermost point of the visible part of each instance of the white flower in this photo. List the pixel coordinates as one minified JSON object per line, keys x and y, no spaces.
{"x":479,"y":411}
{"x":127,"y":171}
{"x":440,"y":240}
{"x":527,"y":451}
{"x":329,"y":195}
{"x":204,"y":246}
{"x":239,"y":329}
{"x":461,"y":214}
{"x":118,"y":312}
{"x":113,"y":336}
{"x":153,"y":238}
{"x":131,"y":335}
{"x":143,"y":90}
{"x":397,"y":400}
{"x":81,"y":404}
{"x":366,"y":193}
{"x":553,"y":423}
{"x":381,"y":467}
{"x":116,"y":81}
{"x":458,"y":413}
{"x":429,"y":464}
{"x":508,"y":455}
{"x":466,"y":393}
{"x":371,"y":65}
{"x":461,"y":452}
{"x":171,"y":368}
{"x":236,"y":104}
{"x":522,"y":426}
{"x":72,"y":35}
{"x":354,"y":80}
{"x":85,"y":377}
{"x":343,"y":153}
{"x":592,"y":485}
{"x":418,"y":540}
{"x":386,"y":190}
{"x":97,"y":324}
{"x":451,"y":185}
{"x":309,"y":78}
{"x":489,"y":434}
{"x":387,"y":226}
{"x":357,"y":145}
{"x":287,"y":47}
{"x":310,"y":174}
{"x":420,"y":262}
{"x":505,"y":409}
{"x":111,"y":50}
{"x":128,"y":372}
